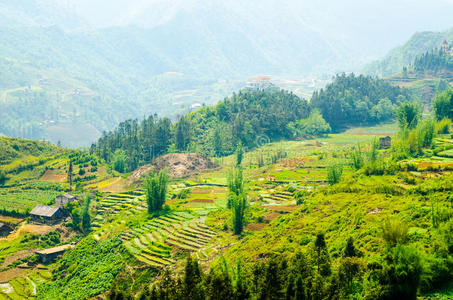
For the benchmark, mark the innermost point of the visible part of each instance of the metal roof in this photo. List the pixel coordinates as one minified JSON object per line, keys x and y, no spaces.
{"x":44,"y":210}
{"x":55,"y":249}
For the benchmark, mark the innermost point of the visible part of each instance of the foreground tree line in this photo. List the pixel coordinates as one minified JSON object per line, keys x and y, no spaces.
{"x":251,"y":118}
{"x":303,"y":275}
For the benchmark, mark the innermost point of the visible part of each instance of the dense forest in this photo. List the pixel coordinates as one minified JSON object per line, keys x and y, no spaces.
{"x":434,"y":61}
{"x":213,"y":130}
{"x":252,"y":118}
{"x":357,"y":100}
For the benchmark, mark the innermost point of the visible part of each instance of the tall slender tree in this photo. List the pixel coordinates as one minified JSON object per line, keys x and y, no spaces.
{"x":156,"y":190}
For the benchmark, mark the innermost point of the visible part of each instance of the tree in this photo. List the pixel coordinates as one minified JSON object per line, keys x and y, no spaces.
{"x":182,"y":134}
{"x":322,"y":255}
{"x":192,"y":281}
{"x":156,"y":190}
{"x":314,"y":125}
{"x":235,"y":182}
{"x":408,"y":114}
{"x":3,"y":177}
{"x":443,"y":104}
{"x":334,"y":172}
{"x":119,"y":161}
{"x":238,"y":206}
{"x":357,"y":157}
{"x":349,"y":250}
{"x":86,"y":219}
{"x":237,"y":199}
{"x":70,"y":170}
{"x":239,"y":154}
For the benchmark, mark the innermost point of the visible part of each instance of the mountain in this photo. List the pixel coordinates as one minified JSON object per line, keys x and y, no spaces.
{"x":91,"y":64}
{"x":404,"y":55}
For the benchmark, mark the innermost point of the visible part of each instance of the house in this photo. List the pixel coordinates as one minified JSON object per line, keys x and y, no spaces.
{"x":5,"y":229}
{"x":385,"y":142}
{"x":259,"y":83}
{"x":48,"y":255}
{"x":62,"y":200}
{"x":45,"y":214}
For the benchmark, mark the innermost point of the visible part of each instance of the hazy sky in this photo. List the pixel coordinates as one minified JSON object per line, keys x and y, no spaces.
{"x":383,"y":23}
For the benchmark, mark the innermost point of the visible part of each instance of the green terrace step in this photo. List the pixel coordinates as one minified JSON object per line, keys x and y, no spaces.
{"x":202,"y":228}
{"x":191,"y":239}
{"x":183,"y":214}
{"x":177,"y":244}
{"x":148,"y":261}
{"x":157,"y":259}
{"x":194,"y":236}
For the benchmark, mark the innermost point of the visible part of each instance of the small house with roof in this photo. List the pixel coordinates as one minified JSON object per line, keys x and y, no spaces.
{"x":48,"y":255}
{"x":62,"y":200}
{"x":259,"y":83}
{"x":45,"y":214}
{"x":5,"y":229}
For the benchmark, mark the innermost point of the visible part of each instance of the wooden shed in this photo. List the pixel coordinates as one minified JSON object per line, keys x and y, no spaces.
{"x":45,"y":214}
{"x":48,"y":255}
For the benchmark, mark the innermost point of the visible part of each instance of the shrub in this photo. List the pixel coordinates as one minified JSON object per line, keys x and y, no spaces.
{"x":443,"y":126}
{"x":394,"y":232}
{"x":334,"y":172}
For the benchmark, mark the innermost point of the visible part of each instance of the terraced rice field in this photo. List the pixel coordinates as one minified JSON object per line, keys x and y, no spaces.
{"x":153,"y":242}
{"x":113,"y":204}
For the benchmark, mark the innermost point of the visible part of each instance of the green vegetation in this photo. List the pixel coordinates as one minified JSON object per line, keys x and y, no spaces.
{"x":86,"y":271}
{"x":357,"y":100}
{"x":156,"y":190}
{"x":443,"y":105}
{"x":408,"y":114}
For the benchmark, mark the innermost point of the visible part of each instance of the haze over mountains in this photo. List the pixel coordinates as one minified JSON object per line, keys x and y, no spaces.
{"x":95,"y":63}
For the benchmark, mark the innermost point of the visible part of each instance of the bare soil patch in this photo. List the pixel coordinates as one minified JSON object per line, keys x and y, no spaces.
{"x":202,"y":201}
{"x":16,"y":256}
{"x":255,"y":227}
{"x":271,"y":216}
{"x":54,"y":176}
{"x":200,"y":191}
{"x":284,"y":208}
{"x":179,"y":165}
{"x":7,"y":275}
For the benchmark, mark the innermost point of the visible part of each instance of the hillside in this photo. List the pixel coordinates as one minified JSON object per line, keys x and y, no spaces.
{"x":404,"y":55}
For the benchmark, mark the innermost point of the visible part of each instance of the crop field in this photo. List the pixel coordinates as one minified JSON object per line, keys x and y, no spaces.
{"x":156,"y":242}
{"x":24,"y":197}
{"x":112,"y":204}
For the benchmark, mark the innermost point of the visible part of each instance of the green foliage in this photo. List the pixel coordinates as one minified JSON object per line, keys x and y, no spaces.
{"x":86,"y":219}
{"x":182,"y":194}
{"x":3,"y":177}
{"x":334,"y":172}
{"x":352,"y":100}
{"x":182,"y":134}
{"x":237,"y":199}
{"x":84,"y":272}
{"x":394,"y":232}
{"x":239,"y":154}
{"x":443,"y":104}
{"x":119,"y":161}
{"x":314,"y":125}
{"x":156,"y":190}
{"x":443,"y":126}
{"x":408,"y":114}
{"x":350,"y":250}
{"x":425,"y":133}
{"x":357,"y":157}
